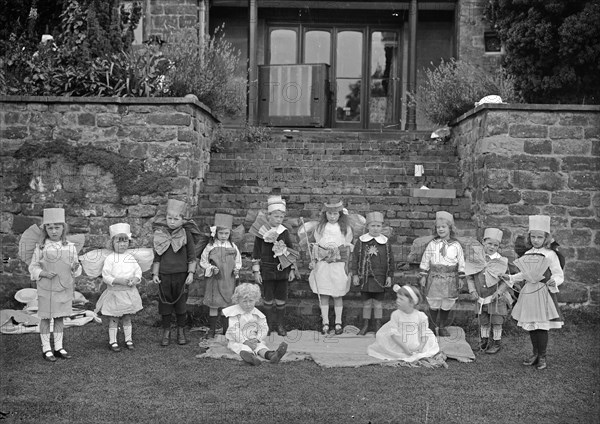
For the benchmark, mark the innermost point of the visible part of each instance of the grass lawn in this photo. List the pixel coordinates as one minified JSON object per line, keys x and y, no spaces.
{"x":155,"y":384}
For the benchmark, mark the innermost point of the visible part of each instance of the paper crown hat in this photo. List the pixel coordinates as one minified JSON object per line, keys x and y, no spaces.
{"x":275,"y":203}
{"x":374,"y":217}
{"x":223,"y":220}
{"x":120,"y":228}
{"x":176,"y":207}
{"x":334,"y":205}
{"x":444,"y":215}
{"x":539,"y":223}
{"x":54,"y":216}
{"x":492,"y":233}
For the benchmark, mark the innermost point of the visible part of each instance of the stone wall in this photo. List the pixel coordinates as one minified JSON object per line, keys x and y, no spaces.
{"x":521,"y":160}
{"x":167,"y":139}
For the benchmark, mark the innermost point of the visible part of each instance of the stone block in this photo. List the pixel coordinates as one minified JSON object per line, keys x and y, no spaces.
{"x":584,"y":272}
{"x":582,"y":213}
{"x":588,"y":253}
{"x":437,"y":193}
{"x":108,"y":120}
{"x":537,"y":147}
{"x":142,"y":211}
{"x":523,"y":209}
{"x":522,"y":162}
{"x":535,"y":197}
{"x":500,"y":145}
{"x":580,"y":163}
{"x":553,"y":210}
{"x":565,"y":132}
{"x":13,"y":132}
{"x":542,"y":118}
{"x":592,"y":133}
{"x":573,"y":293}
{"x":584,"y":180}
{"x":571,"y":147}
{"x":550,"y":181}
{"x":572,"y":237}
{"x":114,"y":211}
{"x":178,"y":119}
{"x":498,"y":179}
{"x":86,"y":119}
{"x":502,"y":196}
{"x":496,"y":124}
{"x":528,"y":131}
{"x":580,"y":199}
{"x":585,"y":223}
{"x":574,"y":119}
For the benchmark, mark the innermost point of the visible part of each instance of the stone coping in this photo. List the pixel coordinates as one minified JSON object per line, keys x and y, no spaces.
{"x":111,"y":100}
{"x":525,"y":107}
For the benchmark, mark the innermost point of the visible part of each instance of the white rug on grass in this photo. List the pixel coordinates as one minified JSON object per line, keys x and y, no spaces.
{"x":345,"y":350}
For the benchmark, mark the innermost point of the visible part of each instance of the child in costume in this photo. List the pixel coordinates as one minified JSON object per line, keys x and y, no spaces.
{"x":406,"y":336}
{"x":53,"y":266}
{"x":328,"y":277}
{"x":121,"y":299}
{"x":221,"y":261}
{"x":442,"y":271}
{"x":268,"y":266}
{"x":490,"y":292}
{"x":537,"y":309}
{"x":174,"y":267}
{"x":248,"y":327}
{"x":372,"y":268}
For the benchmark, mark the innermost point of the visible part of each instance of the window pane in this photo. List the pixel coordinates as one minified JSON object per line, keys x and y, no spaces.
{"x":349,"y":54}
{"x":384,"y":59}
{"x":317,"y":47}
{"x":283,"y":47}
{"x":348,"y":100}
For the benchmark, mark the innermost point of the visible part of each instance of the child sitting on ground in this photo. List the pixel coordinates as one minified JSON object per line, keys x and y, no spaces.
{"x":248,"y":327}
{"x":406,"y":336}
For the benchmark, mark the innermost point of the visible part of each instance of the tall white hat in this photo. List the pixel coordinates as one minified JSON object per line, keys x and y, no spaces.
{"x":275,"y":203}
{"x":54,"y":216}
{"x":493,"y":233}
{"x":120,"y":228}
{"x":176,"y":207}
{"x":539,"y":223}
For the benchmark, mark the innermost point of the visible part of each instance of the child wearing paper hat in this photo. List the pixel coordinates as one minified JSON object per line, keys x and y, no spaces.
{"x":267,"y":267}
{"x":328,"y":277}
{"x":121,"y":299}
{"x":372,"y":268}
{"x":537,"y":308}
{"x":53,"y":267}
{"x":174,"y":266}
{"x":442,"y":271}
{"x":221,"y":261}
{"x":490,"y":291}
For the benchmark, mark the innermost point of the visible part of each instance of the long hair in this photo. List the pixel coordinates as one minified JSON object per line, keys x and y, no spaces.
{"x":547,"y":241}
{"x":451,"y":226}
{"x":342,"y":221}
{"x":63,"y":238}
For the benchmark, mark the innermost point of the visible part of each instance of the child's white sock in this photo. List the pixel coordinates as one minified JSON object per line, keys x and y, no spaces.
{"x":378,"y":309}
{"x":338,"y":307}
{"x":45,"y":337}
{"x":127,"y":329}
{"x":58,"y":340}
{"x":112,"y":334}
{"x":485,"y":331}
{"x":497,"y":332}
{"x":325,"y":314}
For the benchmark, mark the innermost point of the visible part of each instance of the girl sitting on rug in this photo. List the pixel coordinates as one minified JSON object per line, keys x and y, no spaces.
{"x":406,"y":336}
{"x":248,"y":327}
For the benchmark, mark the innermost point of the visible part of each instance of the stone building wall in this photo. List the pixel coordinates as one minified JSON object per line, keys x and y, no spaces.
{"x":167,"y":139}
{"x":521,"y":160}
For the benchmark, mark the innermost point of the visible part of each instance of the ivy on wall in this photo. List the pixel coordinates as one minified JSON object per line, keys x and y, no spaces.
{"x":129,"y":174}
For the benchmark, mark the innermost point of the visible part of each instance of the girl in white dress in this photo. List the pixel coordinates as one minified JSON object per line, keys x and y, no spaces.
{"x":53,"y":266}
{"x":329,"y":277}
{"x":121,"y":299}
{"x":406,"y":336}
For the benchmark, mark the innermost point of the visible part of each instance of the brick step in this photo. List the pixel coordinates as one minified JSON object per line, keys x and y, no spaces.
{"x":390,"y":177}
{"x":308,"y":308}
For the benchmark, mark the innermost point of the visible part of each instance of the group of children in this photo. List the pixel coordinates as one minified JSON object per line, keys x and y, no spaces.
{"x":336,"y":263}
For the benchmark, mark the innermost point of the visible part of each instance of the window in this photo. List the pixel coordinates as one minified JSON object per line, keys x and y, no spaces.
{"x":283,"y":47}
{"x":492,"y":42}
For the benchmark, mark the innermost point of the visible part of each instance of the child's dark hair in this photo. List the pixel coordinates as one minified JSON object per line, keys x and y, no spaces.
{"x":215,"y":237}
{"x":110,"y":244}
{"x":342,"y":221}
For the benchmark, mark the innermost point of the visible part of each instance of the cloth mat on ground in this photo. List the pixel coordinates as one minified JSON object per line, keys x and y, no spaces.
{"x":21,"y":322}
{"x":345,"y":350}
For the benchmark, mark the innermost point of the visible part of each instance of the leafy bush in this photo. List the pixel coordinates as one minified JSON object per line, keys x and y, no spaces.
{"x":453,"y":87}
{"x":552,"y":48}
{"x":207,"y":71}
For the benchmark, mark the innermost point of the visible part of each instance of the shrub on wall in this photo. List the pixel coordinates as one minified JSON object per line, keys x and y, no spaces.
{"x":453,"y":87}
